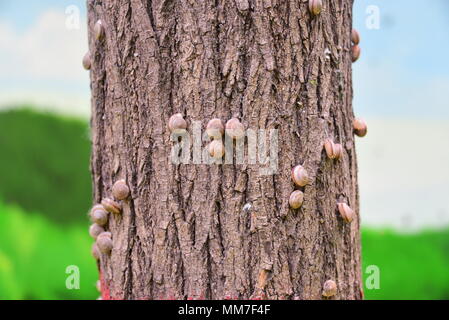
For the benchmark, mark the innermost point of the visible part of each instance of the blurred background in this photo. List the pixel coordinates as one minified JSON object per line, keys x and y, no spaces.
{"x":401,"y":86}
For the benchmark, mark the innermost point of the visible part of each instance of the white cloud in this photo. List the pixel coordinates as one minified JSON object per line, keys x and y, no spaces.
{"x":403,"y":173}
{"x":387,"y":89}
{"x":46,"y":50}
{"x":65,"y":103}
{"x":42,"y":65}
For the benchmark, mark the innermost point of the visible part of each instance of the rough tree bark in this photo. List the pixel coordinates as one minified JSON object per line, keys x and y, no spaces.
{"x":183,"y":232}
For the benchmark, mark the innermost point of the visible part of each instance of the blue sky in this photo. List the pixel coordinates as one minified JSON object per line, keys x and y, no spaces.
{"x":401,"y":85}
{"x":403,"y":71}
{"x":40,"y":56}
{"x":23,"y":13}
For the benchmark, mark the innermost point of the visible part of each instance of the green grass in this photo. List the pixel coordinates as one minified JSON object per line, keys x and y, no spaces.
{"x":412,"y":266}
{"x":35,"y":252}
{"x":44,"y":164}
{"x":34,"y":255}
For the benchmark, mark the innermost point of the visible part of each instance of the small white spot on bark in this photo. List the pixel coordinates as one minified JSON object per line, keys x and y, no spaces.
{"x":327,"y":54}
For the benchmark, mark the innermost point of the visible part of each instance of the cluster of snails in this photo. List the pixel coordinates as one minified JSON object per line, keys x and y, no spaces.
{"x":99,"y":215}
{"x":334,"y":151}
{"x":99,"y":34}
{"x":300,"y":178}
{"x":214,"y":129}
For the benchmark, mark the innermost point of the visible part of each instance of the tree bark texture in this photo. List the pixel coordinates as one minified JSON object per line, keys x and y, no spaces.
{"x":184,"y":232}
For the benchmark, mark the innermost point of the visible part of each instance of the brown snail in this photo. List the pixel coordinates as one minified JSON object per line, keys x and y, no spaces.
{"x":235,"y":129}
{"x":111,"y":206}
{"x":95,"y":251}
{"x":355,"y":52}
{"x":99,"y":215}
{"x":355,"y":37}
{"x":120,"y":190}
{"x":215,"y":128}
{"x":104,"y":242}
{"x":346,"y":212}
{"x":333,"y":150}
{"x":99,"y":30}
{"x":296,"y":199}
{"x":329,"y":288}
{"x":300,"y":176}
{"x":176,"y":123}
{"x":315,"y":7}
{"x":216,"y":149}
{"x":95,"y":230}
{"x":87,"y":64}
{"x":360,"y":127}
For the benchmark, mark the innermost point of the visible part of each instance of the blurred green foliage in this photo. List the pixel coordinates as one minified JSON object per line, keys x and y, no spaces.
{"x":34,"y":255}
{"x":412,"y":266}
{"x":44,"y":168}
{"x":44,"y":164}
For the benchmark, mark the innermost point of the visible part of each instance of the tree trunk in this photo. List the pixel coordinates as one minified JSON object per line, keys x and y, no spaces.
{"x":202,"y":231}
